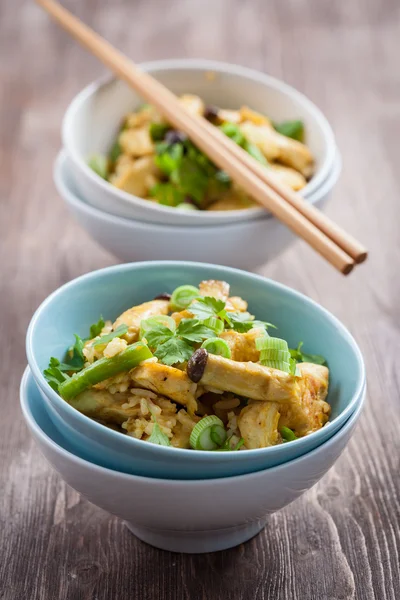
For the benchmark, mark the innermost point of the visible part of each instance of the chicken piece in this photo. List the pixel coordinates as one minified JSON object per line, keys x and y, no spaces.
{"x":311,"y":412}
{"x":236,"y":303}
{"x":247,"y":114}
{"x":193,"y":104}
{"x":243,"y":345}
{"x":167,"y":381}
{"x":183,"y":314}
{"x":136,"y":142}
{"x":148,"y":114}
{"x":133,"y":316}
{"x":277,"y":147}
{"x":258,"y":424}
{"x":288,"y":176}
{"x":233,"y":199}
{"x":228,"y":116}
{"x":214,"y":288}
{"x":136,"y":177}
{"x":101,"y":404}
{"x":244,"y":378}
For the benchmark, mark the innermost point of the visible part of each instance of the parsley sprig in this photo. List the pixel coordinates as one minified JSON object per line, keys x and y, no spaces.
{"x":174,"y":347}
{"x":299,"y":356}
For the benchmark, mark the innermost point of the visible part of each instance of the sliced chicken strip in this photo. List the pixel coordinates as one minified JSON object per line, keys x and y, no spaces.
{"x":167,"y":381}
{"x":288,"y":176}
{"x":133,"y":316}
{"x":277,"y":147}
{"x":258,"y":424}
{"x":101,"y":404}
{"x":243,"y":345}
{"x":311,"y":412}
{"x":244,"y":378}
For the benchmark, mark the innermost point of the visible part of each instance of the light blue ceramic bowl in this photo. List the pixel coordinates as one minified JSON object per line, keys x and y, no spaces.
{"x":108,"y":292}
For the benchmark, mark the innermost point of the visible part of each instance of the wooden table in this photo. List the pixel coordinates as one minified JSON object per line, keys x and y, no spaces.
{"x":341,"y":540}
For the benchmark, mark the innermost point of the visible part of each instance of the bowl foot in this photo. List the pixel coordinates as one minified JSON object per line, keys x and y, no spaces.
{"x":197,"y":542}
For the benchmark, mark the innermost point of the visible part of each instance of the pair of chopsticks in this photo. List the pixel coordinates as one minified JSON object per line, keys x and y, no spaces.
{"x":329,"y":239}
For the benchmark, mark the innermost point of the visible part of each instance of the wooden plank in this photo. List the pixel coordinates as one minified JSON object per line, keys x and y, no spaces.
{"x":341,"y":540}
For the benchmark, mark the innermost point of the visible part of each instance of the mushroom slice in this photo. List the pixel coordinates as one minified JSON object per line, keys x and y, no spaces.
{"x":133,"y":316}
{"x":244,"y":378}
{"x":311,"y":412}
{"x":167,"y":381}
{"x":258,"y":424}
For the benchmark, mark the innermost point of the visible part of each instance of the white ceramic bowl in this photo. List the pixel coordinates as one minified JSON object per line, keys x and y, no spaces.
{"x":243,"y":245}
{"x":184,"y":516}
{"x":93,"y":119}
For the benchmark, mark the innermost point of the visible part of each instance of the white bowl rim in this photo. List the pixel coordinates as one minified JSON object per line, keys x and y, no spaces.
{"x":198,"y":65}
{"x":155,"y":481}
{"x":153,"y":448}
{"x":64,"y":190}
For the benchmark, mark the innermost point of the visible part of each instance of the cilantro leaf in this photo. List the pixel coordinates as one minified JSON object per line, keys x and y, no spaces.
{"x":292,"y":129}
{"x":209,"y":307}
{"x":174,"y":350}
{"x":298,"y":355}
{"x":96,"y":328}
{"x":158,"y":436}
{"x":54,"y":373}
{"x":75,"y":355}
{"x":157,"y":335}
{"x":193,"y":331}
{"x":104,"y":339}
{"x":167,"y":194}
{"x":191,"y":179}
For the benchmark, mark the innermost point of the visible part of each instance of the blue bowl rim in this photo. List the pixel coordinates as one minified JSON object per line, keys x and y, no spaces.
{"x":29,"y":418}
{"x":223,"y":272}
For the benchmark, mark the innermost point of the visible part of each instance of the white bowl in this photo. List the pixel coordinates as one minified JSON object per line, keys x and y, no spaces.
{"x":184,"y":516}
{"x":94,"y":117}
{"x":244,"y":245}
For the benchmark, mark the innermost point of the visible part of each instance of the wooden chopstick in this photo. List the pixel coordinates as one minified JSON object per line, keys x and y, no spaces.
{"x":288,"y":207}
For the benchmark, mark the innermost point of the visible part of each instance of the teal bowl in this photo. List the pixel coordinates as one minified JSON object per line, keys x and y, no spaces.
{"x":108,"y":292}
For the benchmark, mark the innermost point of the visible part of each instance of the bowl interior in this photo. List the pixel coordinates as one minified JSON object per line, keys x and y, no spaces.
{"x":94,"y":117}
{"x":108,"y":292}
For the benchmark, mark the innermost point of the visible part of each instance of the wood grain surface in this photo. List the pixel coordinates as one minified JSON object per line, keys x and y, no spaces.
{"x":341,"y":540}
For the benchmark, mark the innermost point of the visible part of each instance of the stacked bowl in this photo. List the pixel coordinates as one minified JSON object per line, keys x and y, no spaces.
{"x":135,"y":229}
{"x":175,"y":499}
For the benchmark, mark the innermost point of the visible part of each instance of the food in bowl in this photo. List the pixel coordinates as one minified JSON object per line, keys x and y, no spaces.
{"x":194,"y":370}
{"x":155,"y":162}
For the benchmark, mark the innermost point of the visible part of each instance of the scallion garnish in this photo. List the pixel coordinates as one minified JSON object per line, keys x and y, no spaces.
{"x":208,"y":434}
{"x":287,"y":434}
{"x":183,"y":295}
{"x":217,"y":346}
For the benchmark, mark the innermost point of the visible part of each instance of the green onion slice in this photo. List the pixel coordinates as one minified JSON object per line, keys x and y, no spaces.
{"x":217,"y":346}
{"x":104,"y":339}
{"x":215,"y":324}
{"x":271,"y":343}
{"x":151,"y":322}
{"x":208,"y":434}
{"x":287,"y":434}
{"x":277,"y":364}
{"x":183,"y":296}
{"x":99,"y":164}
{"x":282,"y":355}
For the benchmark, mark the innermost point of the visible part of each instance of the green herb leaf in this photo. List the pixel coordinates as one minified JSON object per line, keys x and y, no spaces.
{"x":104,"y":339}
{"x":233,"y":132}
{"x":287,"y":434}
{"x":291,"y":129}
{"x":255,"y":152}
{"x":158,"y":436}
{"x":75,"y":356}
{"x":54,"y":374}
{"x":99,"y":164}
{"x":209,"y":307}
{"x":168,"y":157}
{"x":174,"y":350}
{"x":193,"y":331}
{"x":191,"y":179}
{"x":115,"y":152}
{"x":96,"y":328}
{"x":157,"y":335}
{"x":167,"y":194}
{"x":158,"y":131}
{"x":298,"y":355}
